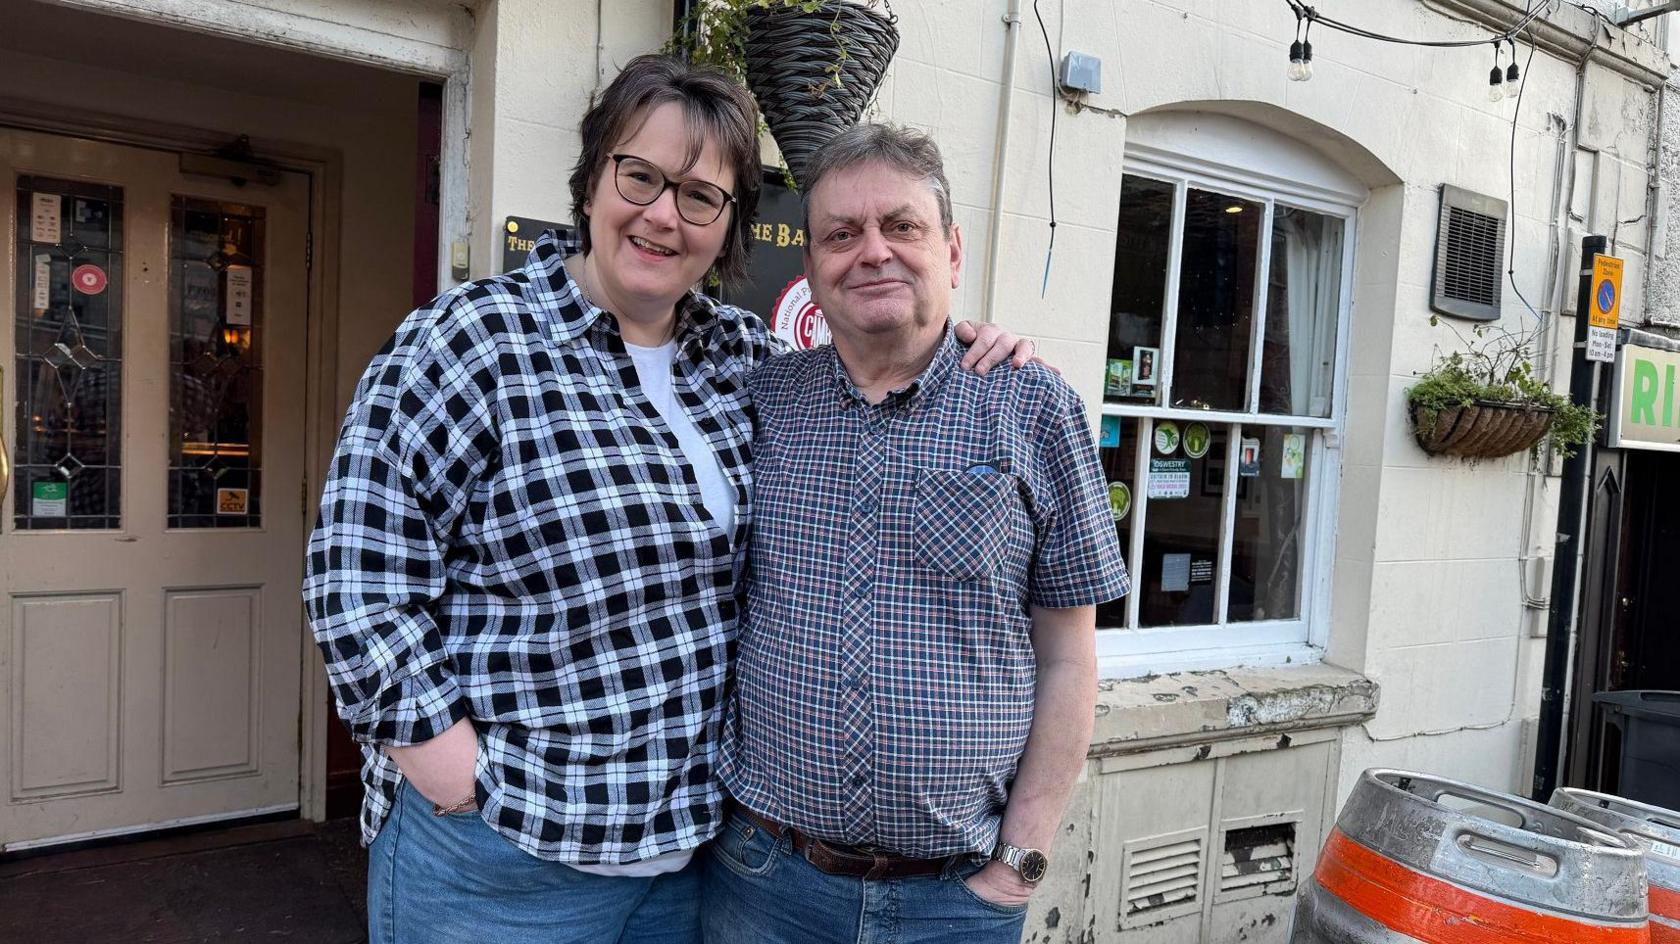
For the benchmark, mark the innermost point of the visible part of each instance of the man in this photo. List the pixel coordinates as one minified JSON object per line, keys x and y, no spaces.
{"x":916,"y":668}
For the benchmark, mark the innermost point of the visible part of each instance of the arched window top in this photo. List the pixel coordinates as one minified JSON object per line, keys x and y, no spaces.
{"x":1245,"y":151}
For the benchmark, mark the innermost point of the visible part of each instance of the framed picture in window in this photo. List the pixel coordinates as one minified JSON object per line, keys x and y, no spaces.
{"x":1146,"y":362}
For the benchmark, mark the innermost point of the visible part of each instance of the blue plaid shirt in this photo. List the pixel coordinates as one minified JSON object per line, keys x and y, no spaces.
{"x":885,"y":672}
{"x":510,"y":533}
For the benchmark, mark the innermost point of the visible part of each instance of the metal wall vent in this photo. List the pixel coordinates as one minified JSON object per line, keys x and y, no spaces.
{"x":1161,"y":877}
{"x":1469,"y":255}
{"x":1258,"y":860}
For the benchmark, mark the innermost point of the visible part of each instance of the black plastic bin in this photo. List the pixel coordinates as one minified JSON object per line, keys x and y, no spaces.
{"x":1649,"y":722}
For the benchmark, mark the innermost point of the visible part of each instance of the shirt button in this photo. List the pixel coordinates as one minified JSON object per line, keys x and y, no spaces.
{"x":860,"y":780}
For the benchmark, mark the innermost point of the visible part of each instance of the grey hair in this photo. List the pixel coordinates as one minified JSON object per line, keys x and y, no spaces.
{"x":904,"y":149}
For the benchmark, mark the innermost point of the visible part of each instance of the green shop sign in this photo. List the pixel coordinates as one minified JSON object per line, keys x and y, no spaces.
{"x":1645,"y":411}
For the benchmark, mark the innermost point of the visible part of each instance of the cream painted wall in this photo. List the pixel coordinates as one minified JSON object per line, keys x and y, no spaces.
{"x":535,"y":65}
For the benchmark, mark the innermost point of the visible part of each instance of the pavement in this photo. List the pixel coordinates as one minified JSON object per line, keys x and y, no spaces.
{"x":282,"y":881}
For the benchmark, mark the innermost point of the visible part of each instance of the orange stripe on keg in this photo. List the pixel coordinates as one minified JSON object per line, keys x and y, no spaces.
{"x":1665,"y":902}
{"x":1410,"y":902}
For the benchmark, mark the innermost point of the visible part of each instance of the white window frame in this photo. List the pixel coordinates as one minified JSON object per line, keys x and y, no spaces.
{"x":1124,"y":652}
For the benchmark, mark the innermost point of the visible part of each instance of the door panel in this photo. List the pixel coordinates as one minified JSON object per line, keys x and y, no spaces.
{"x":151,"y":541}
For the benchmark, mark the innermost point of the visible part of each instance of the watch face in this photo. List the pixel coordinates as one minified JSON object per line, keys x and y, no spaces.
{"x":1033,"y":864}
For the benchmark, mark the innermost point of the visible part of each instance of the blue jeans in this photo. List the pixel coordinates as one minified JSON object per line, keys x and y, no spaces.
{"x":446,"y":879}
{"x":758,"y":890}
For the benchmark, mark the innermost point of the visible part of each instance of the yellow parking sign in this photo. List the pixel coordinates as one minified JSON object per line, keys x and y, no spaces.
{"x":1607,"y":292}
{"x":1604,"y":309}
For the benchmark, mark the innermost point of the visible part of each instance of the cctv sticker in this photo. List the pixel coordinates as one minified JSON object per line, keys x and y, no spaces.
{"x":797,"y":319}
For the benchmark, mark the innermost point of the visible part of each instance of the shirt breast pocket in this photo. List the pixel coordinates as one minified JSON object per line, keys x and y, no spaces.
{"x":961,"y":522}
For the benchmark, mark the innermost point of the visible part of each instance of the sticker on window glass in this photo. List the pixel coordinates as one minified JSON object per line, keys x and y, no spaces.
{"x":1201,"y":571}
{"x":1175,"y":573}
{"x":1169,"y":478}
{"x":88,"y":279}
{"x":1119,"y":500}
{"x":1110,"y":438}
{"x":1197,"y":439}
{"x":43,"y":284}
{"x":49,"y":499}
{"x":1166,"y":437}
{"x":45,"y":218}
{"x":1248,"y":458}
{"x":233,"y":501}
{"x":238,"y":295}
{"x":1294,"y":455}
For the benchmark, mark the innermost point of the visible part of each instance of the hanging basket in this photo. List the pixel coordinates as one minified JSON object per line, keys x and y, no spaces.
{"x":1483,"y":430}
{"x":790,"y":57}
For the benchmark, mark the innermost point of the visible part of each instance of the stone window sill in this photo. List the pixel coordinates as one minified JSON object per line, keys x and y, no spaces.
{"x":1192,"y":708}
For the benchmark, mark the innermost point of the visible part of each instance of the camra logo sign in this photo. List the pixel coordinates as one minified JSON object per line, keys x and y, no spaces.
{"x":797,"y":319}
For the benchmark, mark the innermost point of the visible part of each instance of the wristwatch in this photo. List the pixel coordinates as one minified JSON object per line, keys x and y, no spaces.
{"x":1030,"y":863}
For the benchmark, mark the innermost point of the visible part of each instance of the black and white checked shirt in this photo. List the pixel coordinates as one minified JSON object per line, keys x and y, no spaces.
{"x":510,"y":533}
{"x":885,"y":676}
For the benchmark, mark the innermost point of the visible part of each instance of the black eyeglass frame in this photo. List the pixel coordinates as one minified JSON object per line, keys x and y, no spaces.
{"x":666,"y":183}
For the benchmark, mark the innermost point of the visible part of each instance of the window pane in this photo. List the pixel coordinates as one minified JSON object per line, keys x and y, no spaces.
{"x":215,"y":390}
{"x":1139,"y":297}
{"x":67,"y":374}
{"x":1118,"y":444}
{"x":1297,"y":364}
{"x":1215,"y":301}
{"x":1185,"y":497}
{"x":1270,"y":524}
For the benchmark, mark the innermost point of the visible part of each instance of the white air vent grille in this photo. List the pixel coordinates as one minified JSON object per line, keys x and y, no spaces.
{"x":1469,"y":255}
{"x":1257,"y":860}
{"x":1163,"y":876}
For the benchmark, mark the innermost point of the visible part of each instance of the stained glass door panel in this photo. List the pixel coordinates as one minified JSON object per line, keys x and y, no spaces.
{"x":68,"y":355}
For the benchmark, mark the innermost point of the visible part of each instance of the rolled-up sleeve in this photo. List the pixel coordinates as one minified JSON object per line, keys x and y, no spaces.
{"x":406,"y":460}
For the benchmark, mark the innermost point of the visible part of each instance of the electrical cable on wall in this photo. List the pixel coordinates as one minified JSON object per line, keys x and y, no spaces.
{"x":1503,"y":83}
{"x":1049,"y":252}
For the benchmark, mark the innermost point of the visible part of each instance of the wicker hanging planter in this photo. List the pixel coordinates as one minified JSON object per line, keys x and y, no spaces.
{"x":1482,"y":430}
{"x":791,"y":58}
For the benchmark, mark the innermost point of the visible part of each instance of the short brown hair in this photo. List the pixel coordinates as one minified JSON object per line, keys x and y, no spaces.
{"x":715,"y":109}
{"x":905,"y":149}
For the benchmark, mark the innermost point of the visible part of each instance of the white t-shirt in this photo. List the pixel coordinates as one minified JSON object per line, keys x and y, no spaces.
{"x":717,"y":494}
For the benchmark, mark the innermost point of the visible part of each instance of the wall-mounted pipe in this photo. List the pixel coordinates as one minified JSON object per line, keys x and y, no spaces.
{"x":1006,"y":102}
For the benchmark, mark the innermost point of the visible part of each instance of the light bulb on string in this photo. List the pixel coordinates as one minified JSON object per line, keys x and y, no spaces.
{"x":1300,"y":51}
{"x":1512,"y":74}
{"x":1496,"y":78}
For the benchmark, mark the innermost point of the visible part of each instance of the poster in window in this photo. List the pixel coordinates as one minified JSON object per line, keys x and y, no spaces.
{"x":238,"y":295}
{"x":1118,"y":382}
{"x":1169,"y":478}
{"x":1110,"y":437}
{"x":46,"y":223}
{"x":1248,"y":458}
{"x":1294,"y":456}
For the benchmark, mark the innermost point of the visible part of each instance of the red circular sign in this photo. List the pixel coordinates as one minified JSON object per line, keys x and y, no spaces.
{"x":797,"y":319}
{"x":88,"y":279}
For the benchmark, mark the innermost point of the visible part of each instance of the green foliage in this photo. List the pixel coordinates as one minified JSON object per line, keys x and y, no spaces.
{"x":1497,"y":367}
{"x":716,"y":35}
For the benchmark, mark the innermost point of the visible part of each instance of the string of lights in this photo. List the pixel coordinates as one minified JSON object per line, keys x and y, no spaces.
{"x":1502,"y":82}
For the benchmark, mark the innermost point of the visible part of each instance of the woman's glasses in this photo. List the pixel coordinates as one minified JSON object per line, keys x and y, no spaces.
{"x":641,"y":183}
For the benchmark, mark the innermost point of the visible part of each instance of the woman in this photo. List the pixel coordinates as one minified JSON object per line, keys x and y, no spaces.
{"x":523,"y":578}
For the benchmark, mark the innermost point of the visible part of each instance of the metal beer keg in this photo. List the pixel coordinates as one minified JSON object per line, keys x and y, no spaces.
{"x":1404,"y":866}
{"x":1656,"y":832}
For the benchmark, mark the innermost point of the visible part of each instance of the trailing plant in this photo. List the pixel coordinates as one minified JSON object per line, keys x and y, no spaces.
{"x":1497,"y":368}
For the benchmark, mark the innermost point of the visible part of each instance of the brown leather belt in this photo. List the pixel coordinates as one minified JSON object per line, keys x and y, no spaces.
{"x":836,"y":859}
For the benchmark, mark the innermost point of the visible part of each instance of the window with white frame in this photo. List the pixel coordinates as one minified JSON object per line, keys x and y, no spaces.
{"x":1222,"y":410}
